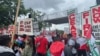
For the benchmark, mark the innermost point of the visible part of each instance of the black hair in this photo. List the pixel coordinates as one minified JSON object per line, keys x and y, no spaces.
{"x":16,"y":36}
{"x":4,"y":40}
{"x":32,"y":36}
{"x":70,"y":35}
{"x":24,"y":36}
{"x":33,"y":43}
{"x":57,"y":38}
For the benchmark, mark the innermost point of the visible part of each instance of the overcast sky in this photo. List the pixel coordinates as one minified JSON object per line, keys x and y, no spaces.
{"x":50,"y":6}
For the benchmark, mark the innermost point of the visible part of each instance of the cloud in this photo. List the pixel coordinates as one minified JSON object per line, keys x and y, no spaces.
{"x":44,"y":4}
{"x":50,"y":6}
{"x":86,"y":5}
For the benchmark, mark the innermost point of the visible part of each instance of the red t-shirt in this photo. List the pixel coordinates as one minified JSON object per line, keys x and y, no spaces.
{"x":84,"y":47}
{"x":56,"y":48}
{"x":42,"y":48}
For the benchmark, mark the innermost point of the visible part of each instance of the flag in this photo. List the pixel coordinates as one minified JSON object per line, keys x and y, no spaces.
{"x":92,"y":45}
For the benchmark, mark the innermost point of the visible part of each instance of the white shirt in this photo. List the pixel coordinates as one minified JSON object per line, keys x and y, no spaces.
{"x":49,"y":38}
{"x":71,"y":42}
{"x":81,"y":41}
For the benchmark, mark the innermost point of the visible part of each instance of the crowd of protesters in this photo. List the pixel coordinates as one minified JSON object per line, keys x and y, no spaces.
{"x":44,"y":45}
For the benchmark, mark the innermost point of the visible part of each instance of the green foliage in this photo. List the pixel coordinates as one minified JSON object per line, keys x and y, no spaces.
{"x":59,"y":31}
{"x":8,"y":11}
{"x":40,"y":26}
{"x":37,"y":17}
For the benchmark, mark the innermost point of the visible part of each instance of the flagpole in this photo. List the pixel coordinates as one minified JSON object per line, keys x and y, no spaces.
{"x":17,"y":12}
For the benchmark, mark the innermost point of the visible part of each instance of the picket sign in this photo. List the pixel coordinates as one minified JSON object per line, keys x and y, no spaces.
{"x":25,"y":27}
{"x":72,"y":22}
{"x":86,"y":24}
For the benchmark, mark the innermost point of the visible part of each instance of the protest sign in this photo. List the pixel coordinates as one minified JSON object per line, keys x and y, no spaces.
{"x":95,"y":13}
{"x":72,"y":22}
{"x":86,"y":24}
{"x":25,"y":27}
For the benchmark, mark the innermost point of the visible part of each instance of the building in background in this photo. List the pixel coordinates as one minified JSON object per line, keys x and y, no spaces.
{"x":98,"y":2}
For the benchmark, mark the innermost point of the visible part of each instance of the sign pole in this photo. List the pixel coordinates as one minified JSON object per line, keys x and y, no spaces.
{"x":17,"y":12}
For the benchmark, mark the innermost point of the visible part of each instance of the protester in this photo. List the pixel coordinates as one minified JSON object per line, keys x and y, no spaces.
{"x":16,"y":49}
{"x":64,"y":36}
{"x":49,"y":38}
{"x":34,"y":48}
{"x":57,"y":47}
{"x":5,"y":50}
{"x":15,"y":45}
{"x":41,"y":45}
{"x":28,"y":50}
{"x":83,"y":46}
{"x":23,"y":39}
{"x":70,"y":49}
{"x":15,"y":36}
{"x":19,"y":44}
{"x":53,"y":34}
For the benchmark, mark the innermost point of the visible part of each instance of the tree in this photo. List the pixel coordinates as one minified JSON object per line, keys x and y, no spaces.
{"x":8,"y":11}
{"x":37,"y":17}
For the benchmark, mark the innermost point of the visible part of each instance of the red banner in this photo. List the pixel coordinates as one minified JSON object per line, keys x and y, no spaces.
{"x":72,"y":23}
{"x":86,"y":24}
{"x":95,"y":13}
{"x":10,"y":29}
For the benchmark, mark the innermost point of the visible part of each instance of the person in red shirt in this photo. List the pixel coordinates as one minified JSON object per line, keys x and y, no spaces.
{"x":57,"y":47}
{"x":41,"y":45}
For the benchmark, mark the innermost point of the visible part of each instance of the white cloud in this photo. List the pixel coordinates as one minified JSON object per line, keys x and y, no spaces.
{"x":50,"y":6}
{"x":43,"y":5}
{"x":86,"y":5}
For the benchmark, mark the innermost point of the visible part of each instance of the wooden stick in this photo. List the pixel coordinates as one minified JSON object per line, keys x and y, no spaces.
{"x":17,"y":11}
